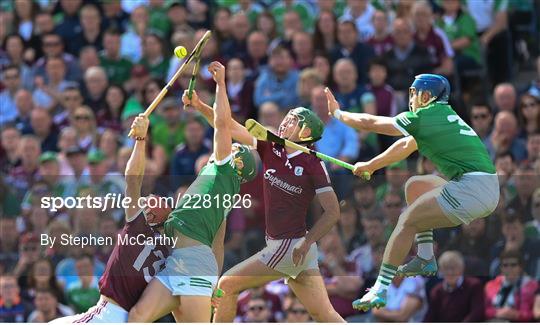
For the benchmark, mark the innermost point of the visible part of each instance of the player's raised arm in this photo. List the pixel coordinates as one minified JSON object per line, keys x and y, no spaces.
{"x":222,"y":114}
{"x":398,"y":151}
{"x":135,"y":165}
{"x":238,"y":131}
{"x":361,"y":121}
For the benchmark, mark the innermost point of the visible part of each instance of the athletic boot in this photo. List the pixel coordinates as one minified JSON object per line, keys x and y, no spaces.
{"x":418,"y":266}
{"x":370,"y":300}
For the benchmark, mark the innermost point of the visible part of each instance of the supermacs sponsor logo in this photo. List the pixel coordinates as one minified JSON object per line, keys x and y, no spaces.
{"x":281,"y":184}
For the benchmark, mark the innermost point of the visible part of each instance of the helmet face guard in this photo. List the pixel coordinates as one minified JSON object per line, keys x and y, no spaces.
{"x":244,"y":163}
{"x":303,"y":119}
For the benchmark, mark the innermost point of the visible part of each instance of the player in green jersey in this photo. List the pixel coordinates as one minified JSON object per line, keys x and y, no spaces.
{"x":190,"y":275}
{"x":433,"y":128}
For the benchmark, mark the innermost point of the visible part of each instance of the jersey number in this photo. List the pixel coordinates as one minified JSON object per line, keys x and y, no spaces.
{"x":465,"y":129}
{"x":143,"y":255}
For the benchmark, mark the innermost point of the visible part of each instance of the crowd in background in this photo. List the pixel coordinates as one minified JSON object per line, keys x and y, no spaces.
{"x":75,"y":74}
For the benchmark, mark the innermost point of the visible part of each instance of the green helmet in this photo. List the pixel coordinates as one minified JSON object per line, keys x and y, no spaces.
{"x":249,"y":171}
{"x":307,"y":118}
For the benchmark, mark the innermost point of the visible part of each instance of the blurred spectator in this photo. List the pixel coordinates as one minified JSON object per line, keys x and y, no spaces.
{"x":29,"y":252}
{"x":325,"y":34}
{"x":21,"y":177}
{"x":349,"y":92}
{"x":303,"y":50}
{"x":364,"y":197}
{"x":44,"y":24}
{"x":392,"y":205}
{"x":76,"y":158}
{"x":118,"y":69}
{"x":349,"y":227}
{"x":535,"y":84}
{"x":131,"y":41}
{"x":504,"y":137}
{"x":396,"y":175}
{"x":257,"y":311}
{"x":169,"y":131}
{"x":222,"y":27}
{"x":286,"y":9}
{"x":25,"y":105}
{"x":321,"y":63}
{"x":53,"y":47}
{"x":176,"y":14}
{"x":529,"y":115}
{"x":510,"y":296}
{"x":514,"y":239}
{"x":240,"y":27}
{"x":295,"y":312}
{"x":47,"y":308}
{"x":69,"y":100}
{"x":266,"y":23}
{"x":341,"y":277}
{"x":115,"y":100}
{"x":109,"y":143}
{"x":406,"y":60}
{"x":460,"y":28}
{"x":240,"y":91}
{"x":153,"y":58}
{"x":350,"y":47}
{"x":458,"y":298}
{"x":68,"y":18}
{"x":271,"y":300}
{"x":159,"y":22}
{"x":102,"y":181}
{"x":338,"y":140}
{"x":41,"y":276}
{"x":406,"y":301}
{"x":532,"y":228}
{"x":199,"y":14}
{"x":473,"y":243}
{"x":13,"y":309}
{"x":481,"y":118}
{"x":256,"y":59}
{"x":275,"y":83}
{"x":270,"y":115}
{"x":526,"y":181}
{"x":90,"y":32}
{"x":83,"y":121}
{"x":373,"y":228}
{"x":9,"y":243}
{"x":88,"y":57}
{"x":14,"y":48}
{"x":361,"y":13}
{"x":114,"y":16}
{"x":505,"y":97}
{"x":43,"y":128}
{"x":25,"y":13}
{"x":10,"y":141}
{"x":95,"y":84}
{"x":183,"y":161}
{"x":381,"y":40}
{"x":309,"y":79}
{"x":11,"y":78}
{"x":84,"y":293}
{"x":48,"y":89}
{"x":492,"y":25}
{"x":250,"y":7}
{"x":432,"y":38}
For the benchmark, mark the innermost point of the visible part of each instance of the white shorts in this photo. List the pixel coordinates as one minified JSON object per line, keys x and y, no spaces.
{"x":190,"y":271}
{"x":278,"y":255}
{"x":473,"y":196}
{"x":103,"y":312}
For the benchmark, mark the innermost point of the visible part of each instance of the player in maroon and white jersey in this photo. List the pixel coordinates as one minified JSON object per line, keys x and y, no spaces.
{"x":130,"y":267}
{"x":292,"y":180}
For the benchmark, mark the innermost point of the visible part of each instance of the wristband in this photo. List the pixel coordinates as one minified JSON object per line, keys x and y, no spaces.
{"x":140,"y":138}
{"x":337,"y":114}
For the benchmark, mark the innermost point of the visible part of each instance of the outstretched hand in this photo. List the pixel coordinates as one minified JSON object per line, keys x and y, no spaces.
{"x":333,"y":105}
{"x":218,"y":72}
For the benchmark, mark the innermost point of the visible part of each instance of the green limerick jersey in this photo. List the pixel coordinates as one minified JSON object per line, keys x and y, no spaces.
{"x":445,"y":139}
{"x":206,"y":203}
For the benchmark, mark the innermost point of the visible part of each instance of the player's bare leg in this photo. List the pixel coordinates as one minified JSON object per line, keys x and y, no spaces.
{"x":424,"y":262}
{"x":310,"y":290}
{"x":155,"y":302}
{"x":424,"y":214}
{"x":195,"y":309}
{"x":250,"y":273}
